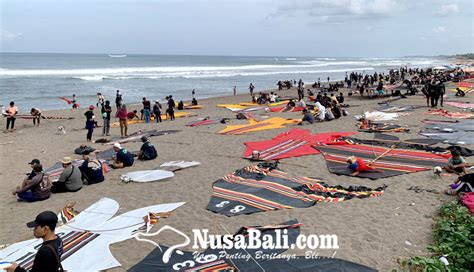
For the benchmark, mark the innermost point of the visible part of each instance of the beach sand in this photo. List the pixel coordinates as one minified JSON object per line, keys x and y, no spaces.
{"x":376,"y":231}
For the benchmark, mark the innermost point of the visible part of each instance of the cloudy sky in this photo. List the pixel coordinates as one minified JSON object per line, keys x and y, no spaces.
{"x":374,"y":28}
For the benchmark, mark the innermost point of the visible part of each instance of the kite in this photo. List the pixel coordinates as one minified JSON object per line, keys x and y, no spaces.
{"x":204,"y":122}
{"x":271,"y":123}
{"x":86,"y":239}
{"x":456,"y":115}
{"x":263,"y":187}
{"x":221,"y":259}
{"x":293,"y":143}
{"x":462,"y":105}
{"x":286,"y":109}
{"x":387,"y":161}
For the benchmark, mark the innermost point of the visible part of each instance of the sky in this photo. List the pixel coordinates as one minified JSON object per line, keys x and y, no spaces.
{"x":325,"y":28}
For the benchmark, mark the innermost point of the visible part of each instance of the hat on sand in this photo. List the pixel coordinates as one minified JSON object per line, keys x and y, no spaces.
{"x":34,"y":161}
{"x":46,"y":218}
{"x":66,"y":160}
{"x":117,"y":145}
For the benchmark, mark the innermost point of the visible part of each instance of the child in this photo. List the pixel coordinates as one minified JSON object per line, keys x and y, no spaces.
{"x":463,"y":184}
{"x":456,"y":164}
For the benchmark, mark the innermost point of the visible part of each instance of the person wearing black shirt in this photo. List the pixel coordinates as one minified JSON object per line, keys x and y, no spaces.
{"x":147,"y":151}
{"x":157,"y":111}
{"x":90,"y":123}
{"x":194,"y":102}
{"x":146,"y":110}
{"x":48,"y":257}
{"x":180,"y":105}
{"x":106,"y":111}
{"x":340,"y":98}
{"x":171,"y":106}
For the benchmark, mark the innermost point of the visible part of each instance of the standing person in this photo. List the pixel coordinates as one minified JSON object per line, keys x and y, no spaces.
{"x":106,"y":112}
{"x":122,"y":116}
{"x":146,"y":110}
{"x":157,"y":111}
{"x":118,"y":99}
{"x":90,"y":123}
{"x":11,"y":116}
{"x":100,"y":99}
{"x":36,"y":113}
{"x":193,"y":93}
{"x":328,"y":79}
{"x":171,"y":106}
{"x":235,"y":90}
{"x":74,"y":102}
{"x":251,"y":88}
{"x":48,"y":257}
{"x":70,"y":179}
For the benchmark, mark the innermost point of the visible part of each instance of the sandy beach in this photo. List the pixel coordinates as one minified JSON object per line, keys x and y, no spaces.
{"x":376,"y":232}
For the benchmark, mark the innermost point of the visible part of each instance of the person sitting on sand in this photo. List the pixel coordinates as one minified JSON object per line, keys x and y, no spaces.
{"x":460,"y":93}
{"x":336,"y":110}
{"x":291,"y":104}
{"x":340,"y":98}
{"x":147,"y":151}
{"x":194,"y":102}
{"x":122,"y":157}
{"x":456,"y":164}
{"x":321,"y":111}
{"x":464,"y":184}
{"x":36,"y":113}
{"x":35,"y":189}
{"x":181,"y":105}
{"x":301,"y":103}
{"x":91,"y":169}
{"x":70,"y":179}
{"x":308,"y":118}
{"x":32,"y":164}
{"x":379,"y":89}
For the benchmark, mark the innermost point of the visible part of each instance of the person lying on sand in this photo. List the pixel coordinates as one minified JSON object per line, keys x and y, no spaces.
{"x":456,"y":164}
{"x":464,"y":184}
{"x":357,"y":165}
{"x":69,"y":180}
{"x":35,"y":189}
{"x":122,"y":157}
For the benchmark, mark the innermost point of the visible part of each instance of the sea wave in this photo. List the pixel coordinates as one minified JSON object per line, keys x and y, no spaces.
{"x":215,"y":74}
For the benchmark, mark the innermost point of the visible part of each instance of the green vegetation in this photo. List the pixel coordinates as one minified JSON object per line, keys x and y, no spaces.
{"x":453,"y":237}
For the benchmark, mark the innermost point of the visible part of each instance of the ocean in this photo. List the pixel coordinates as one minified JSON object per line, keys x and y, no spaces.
{"x":38,"y":80}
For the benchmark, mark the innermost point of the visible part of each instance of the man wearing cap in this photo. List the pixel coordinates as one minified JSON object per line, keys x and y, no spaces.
{"x":90,"y":122}
{"x":32,"y":163}
{"x":69,"y":180}
{"x":91,"y":169}
{"x":147,"y":151}
{"x":34,"y":189}
{"x":122,"y":158}
{"x":48,"y":257}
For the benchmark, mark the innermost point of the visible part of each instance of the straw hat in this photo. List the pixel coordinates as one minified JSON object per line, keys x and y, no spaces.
{"x":66,"y":160}
{"x":117,"y":145}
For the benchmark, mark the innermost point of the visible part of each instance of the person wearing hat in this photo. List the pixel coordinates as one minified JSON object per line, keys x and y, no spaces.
{"x":122,"y":157}
{"x":32,"y":164}
{"x":91,"y":169}
{"x":36,"y":189}
{"x":147,"y":151}
{"x":70,"y":179}
{"x":157,"y":111}
{"x":48,"y":256}
{"x":90,"y":122}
